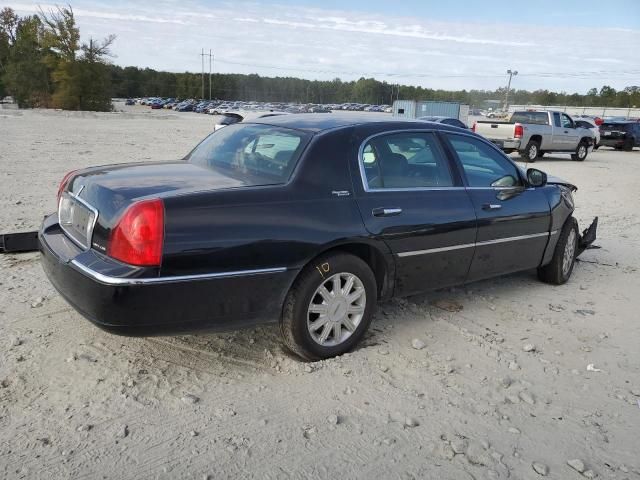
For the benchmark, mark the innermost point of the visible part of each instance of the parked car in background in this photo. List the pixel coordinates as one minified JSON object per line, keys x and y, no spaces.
{"x":593,"y":118}
{"x":229,"y":118}
{"x":454,"y":122}
{"x":534,"y":133}
{"x":306,"y":220}
{"x":620,"y":135}
{"x":129,"y":101}
{"x":590,"y":124}
{"x":184,"y":107}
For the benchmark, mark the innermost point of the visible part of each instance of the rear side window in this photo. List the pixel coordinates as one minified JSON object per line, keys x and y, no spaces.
{"x":536,"y":118}
{"x":404,"y":160}
{"x":482,"y":164}
{"x":256,"y":154}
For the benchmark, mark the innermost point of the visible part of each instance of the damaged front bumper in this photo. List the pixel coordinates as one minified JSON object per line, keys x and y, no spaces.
{"x":588,"y":237}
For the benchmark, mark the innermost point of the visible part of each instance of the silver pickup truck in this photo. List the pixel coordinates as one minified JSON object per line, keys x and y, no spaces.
{"x":534,"y":133}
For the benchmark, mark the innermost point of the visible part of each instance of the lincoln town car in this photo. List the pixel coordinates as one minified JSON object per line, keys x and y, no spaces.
{"x":304,"y":220}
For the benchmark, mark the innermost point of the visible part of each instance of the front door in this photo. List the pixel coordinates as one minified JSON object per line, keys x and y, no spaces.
{"x":413,"y":199}
{"x":570,"y":132}
{"x":513,"y":220}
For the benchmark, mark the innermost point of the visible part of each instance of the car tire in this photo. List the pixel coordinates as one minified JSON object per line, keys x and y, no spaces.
{"x":559,"y":269}
{"x":628,"y":144}
{"x":581,"y":152}
{"x":530,"y":152}
{"x":314,"y":335}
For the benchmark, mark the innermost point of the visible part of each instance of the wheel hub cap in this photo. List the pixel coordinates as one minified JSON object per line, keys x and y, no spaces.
{"x":336,"y":309}
{"x":569,"y":250}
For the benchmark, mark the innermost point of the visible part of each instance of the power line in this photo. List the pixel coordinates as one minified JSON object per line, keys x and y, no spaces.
{"x":302,"y":68}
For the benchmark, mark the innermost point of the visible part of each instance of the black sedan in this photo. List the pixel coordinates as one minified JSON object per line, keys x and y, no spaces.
{"x":454,"y":122}
{"x":306,"y":220}
{"x":621,"y":135}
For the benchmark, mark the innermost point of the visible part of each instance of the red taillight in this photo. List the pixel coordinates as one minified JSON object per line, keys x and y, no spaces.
{"x":518,"y":131}
{"x":598,"y":121}
{"x":473,"y":129}
{"x":138,"y":236}
{"x":64,"y":182}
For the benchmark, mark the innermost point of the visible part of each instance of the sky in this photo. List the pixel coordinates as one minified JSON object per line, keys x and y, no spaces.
{"x":561,"y":45}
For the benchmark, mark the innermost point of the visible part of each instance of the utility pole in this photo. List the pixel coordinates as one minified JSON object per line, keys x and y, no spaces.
{"x":202,"y":75}
{"x":511,"y":74}
{"x":202,"y":54}
{"x":210,"y":69}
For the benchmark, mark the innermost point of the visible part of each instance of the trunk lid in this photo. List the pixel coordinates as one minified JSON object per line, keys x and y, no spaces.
{"x":110,"y":189}
{"x":95,"y":198}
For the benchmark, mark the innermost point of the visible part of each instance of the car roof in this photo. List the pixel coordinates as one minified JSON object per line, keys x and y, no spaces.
{"x":434,"y":117}
{"x":317,"y":122}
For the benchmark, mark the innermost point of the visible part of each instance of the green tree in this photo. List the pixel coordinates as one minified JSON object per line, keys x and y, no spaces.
{"x":80,"y":72}
{"x":26,"y":75}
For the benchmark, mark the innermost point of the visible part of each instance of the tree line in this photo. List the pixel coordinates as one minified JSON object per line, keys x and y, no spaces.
{"x":133,"y":82}
{"x":43,"y":63}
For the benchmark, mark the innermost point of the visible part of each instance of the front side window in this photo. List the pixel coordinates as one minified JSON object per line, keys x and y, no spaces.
{"x":405,"y":160}
{"x":482,"y":164}
{"x":566,"y":121}
{"x":254,"y":153}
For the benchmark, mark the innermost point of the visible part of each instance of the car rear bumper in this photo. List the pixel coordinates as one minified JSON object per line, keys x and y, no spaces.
{"x":611,"y":142}
{"x":508,"y":144}
{"x":135,"y":301}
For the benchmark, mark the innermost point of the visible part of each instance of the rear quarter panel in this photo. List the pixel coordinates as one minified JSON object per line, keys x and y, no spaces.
{"x":266,"y":227}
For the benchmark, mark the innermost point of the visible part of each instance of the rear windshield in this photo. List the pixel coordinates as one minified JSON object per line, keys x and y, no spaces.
{"x":621,"y":127}
{"x":536,"y":118}
{"x":256,"y":154}
{"x":226,"y":119}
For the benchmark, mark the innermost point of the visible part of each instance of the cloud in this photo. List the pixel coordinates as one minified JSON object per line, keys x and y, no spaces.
{"x":320,"y":43}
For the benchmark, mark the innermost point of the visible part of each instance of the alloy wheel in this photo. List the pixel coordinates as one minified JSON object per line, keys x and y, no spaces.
{"x":569,"y":251}
{"x":336,"y":309}
{"x":582,"y":151}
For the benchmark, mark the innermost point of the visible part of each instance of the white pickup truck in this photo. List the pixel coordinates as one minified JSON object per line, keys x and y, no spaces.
{"x":534,"y":133}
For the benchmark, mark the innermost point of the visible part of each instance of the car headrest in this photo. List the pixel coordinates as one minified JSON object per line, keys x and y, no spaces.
{"x":393,"y":164}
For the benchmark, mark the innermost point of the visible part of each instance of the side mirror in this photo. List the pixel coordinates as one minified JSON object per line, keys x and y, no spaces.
{"x":536,"y":178}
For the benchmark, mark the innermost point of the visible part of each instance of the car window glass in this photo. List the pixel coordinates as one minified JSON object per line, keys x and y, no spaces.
{"x":566,"y":121}
{"x":482,"y":164}
{"x":453,"y":121}
{"x":256,"y":154}
{"x":405,"y":160}
{"x":556,"y":119}
{"x":536,"y":118}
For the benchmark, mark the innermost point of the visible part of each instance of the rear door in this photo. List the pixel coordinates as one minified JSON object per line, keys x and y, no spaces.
{"x":410,"y":196}
{"x":513,"y":220}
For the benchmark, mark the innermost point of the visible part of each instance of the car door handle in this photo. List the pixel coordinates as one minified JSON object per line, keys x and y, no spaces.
{"x":491,"y":206}
{"x":386,"y":212}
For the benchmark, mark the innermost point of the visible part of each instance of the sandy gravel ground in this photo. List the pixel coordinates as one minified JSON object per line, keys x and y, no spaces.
{"x":500,"y":390}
